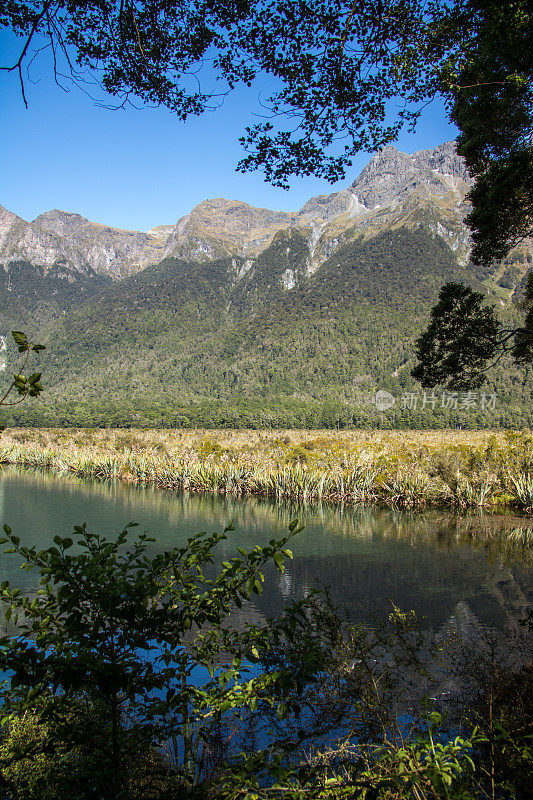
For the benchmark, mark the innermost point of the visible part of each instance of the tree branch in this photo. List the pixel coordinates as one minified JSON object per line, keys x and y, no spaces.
{"x":18,"y":65}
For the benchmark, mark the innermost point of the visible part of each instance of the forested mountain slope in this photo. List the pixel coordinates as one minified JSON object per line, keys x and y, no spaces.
{"x":268,"y":318}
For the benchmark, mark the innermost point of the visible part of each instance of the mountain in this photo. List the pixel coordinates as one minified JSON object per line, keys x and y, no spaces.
{"x":217,"y":228}
{"x":245,"y":316}
{"x":393,"y":189}
{"x":109,"y":251}
{"x":83,"y":247}
{"x":24,"y":241}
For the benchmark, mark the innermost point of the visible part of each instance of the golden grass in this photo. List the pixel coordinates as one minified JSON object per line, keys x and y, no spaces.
{"x":404,"y":468}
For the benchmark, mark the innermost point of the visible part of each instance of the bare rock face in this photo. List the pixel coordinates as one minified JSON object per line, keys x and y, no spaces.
{"x":64,"y":223}
{"x":395,"y":190}
{"x":444,"y":160}
{"x":22,"y":241}
{"x":109,"y":251}
{"x":325,"y":207}
{"x":391,"y":176}
{"x":388,"y":174}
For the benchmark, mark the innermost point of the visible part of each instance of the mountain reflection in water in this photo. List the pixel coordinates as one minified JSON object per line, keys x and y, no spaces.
{"x":439,"y":564}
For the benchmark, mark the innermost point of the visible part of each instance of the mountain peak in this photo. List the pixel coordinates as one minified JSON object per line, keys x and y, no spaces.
{"x":57,"y":213}
{"x":223,"y":213}
{"x":443,"y":159}
{"x":64,"y":223}
{"x":221,"y":227}
{"x":391,"y":175}
{"x":7,"y":216}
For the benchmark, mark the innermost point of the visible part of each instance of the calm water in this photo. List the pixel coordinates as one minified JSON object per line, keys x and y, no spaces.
{"x":441,"y":565}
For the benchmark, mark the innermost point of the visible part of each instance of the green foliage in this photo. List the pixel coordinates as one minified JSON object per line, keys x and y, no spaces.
{"x":465,"y":338}
{"x":493,"y":108}
{"x":462,"y":336}
{"x":523,"y":340}
{"x":31,"y":295}
{"x":353,"y":738}
{"x":337,"y":67}
{"x":127,"y":631}
{"x":24,"y":387}
{"x":34,"y":766}
{"x":56,"y":751}
{"x":102,"y":668}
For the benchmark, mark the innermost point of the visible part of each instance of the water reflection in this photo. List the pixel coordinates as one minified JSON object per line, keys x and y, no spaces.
{"x":432,"y":562}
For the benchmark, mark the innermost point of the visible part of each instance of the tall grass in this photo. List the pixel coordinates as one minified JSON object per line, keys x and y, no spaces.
{"x":521,"y":488}
{"x":462,"y":469}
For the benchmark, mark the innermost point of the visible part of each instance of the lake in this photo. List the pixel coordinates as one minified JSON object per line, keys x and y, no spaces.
{"x":448,"y":568}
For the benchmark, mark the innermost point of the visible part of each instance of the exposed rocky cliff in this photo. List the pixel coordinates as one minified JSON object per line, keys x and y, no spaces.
{"x":61,"y":237}
{"x":109,"y":251}
{"x":23,"y":241}
{"x":396,"y":190}
{"x":391,"y":176}
{"x":218,"y":228}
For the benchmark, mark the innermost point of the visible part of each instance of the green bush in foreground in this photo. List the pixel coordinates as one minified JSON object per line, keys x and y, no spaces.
{"x":127,"y":631}
{"x":58,"y":751}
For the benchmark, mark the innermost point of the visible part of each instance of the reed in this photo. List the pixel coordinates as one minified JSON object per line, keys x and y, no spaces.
{"x":521,"y":489}
{"x":477,"y":469}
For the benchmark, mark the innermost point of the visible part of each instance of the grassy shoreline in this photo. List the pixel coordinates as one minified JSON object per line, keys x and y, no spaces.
{"x":459,"y":469}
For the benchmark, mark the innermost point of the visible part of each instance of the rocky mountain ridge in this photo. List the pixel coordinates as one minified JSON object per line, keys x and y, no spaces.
{"x":394,"y":189}
{"x":64,"y":237}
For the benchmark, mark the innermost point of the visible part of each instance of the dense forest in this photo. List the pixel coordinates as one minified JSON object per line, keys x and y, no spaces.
{"x":209,"y":344}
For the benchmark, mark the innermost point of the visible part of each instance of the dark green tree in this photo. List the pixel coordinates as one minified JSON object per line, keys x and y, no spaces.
{"x":493,"y":108}
{"x":491,"y":90}
{"x":465,"y":339}
{"x":523,"y":340}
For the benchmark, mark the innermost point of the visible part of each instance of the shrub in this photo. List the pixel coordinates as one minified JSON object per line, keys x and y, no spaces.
{"x":128,"y":631}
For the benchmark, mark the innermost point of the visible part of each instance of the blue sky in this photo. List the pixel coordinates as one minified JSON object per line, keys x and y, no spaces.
{"x":140,"y":168}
